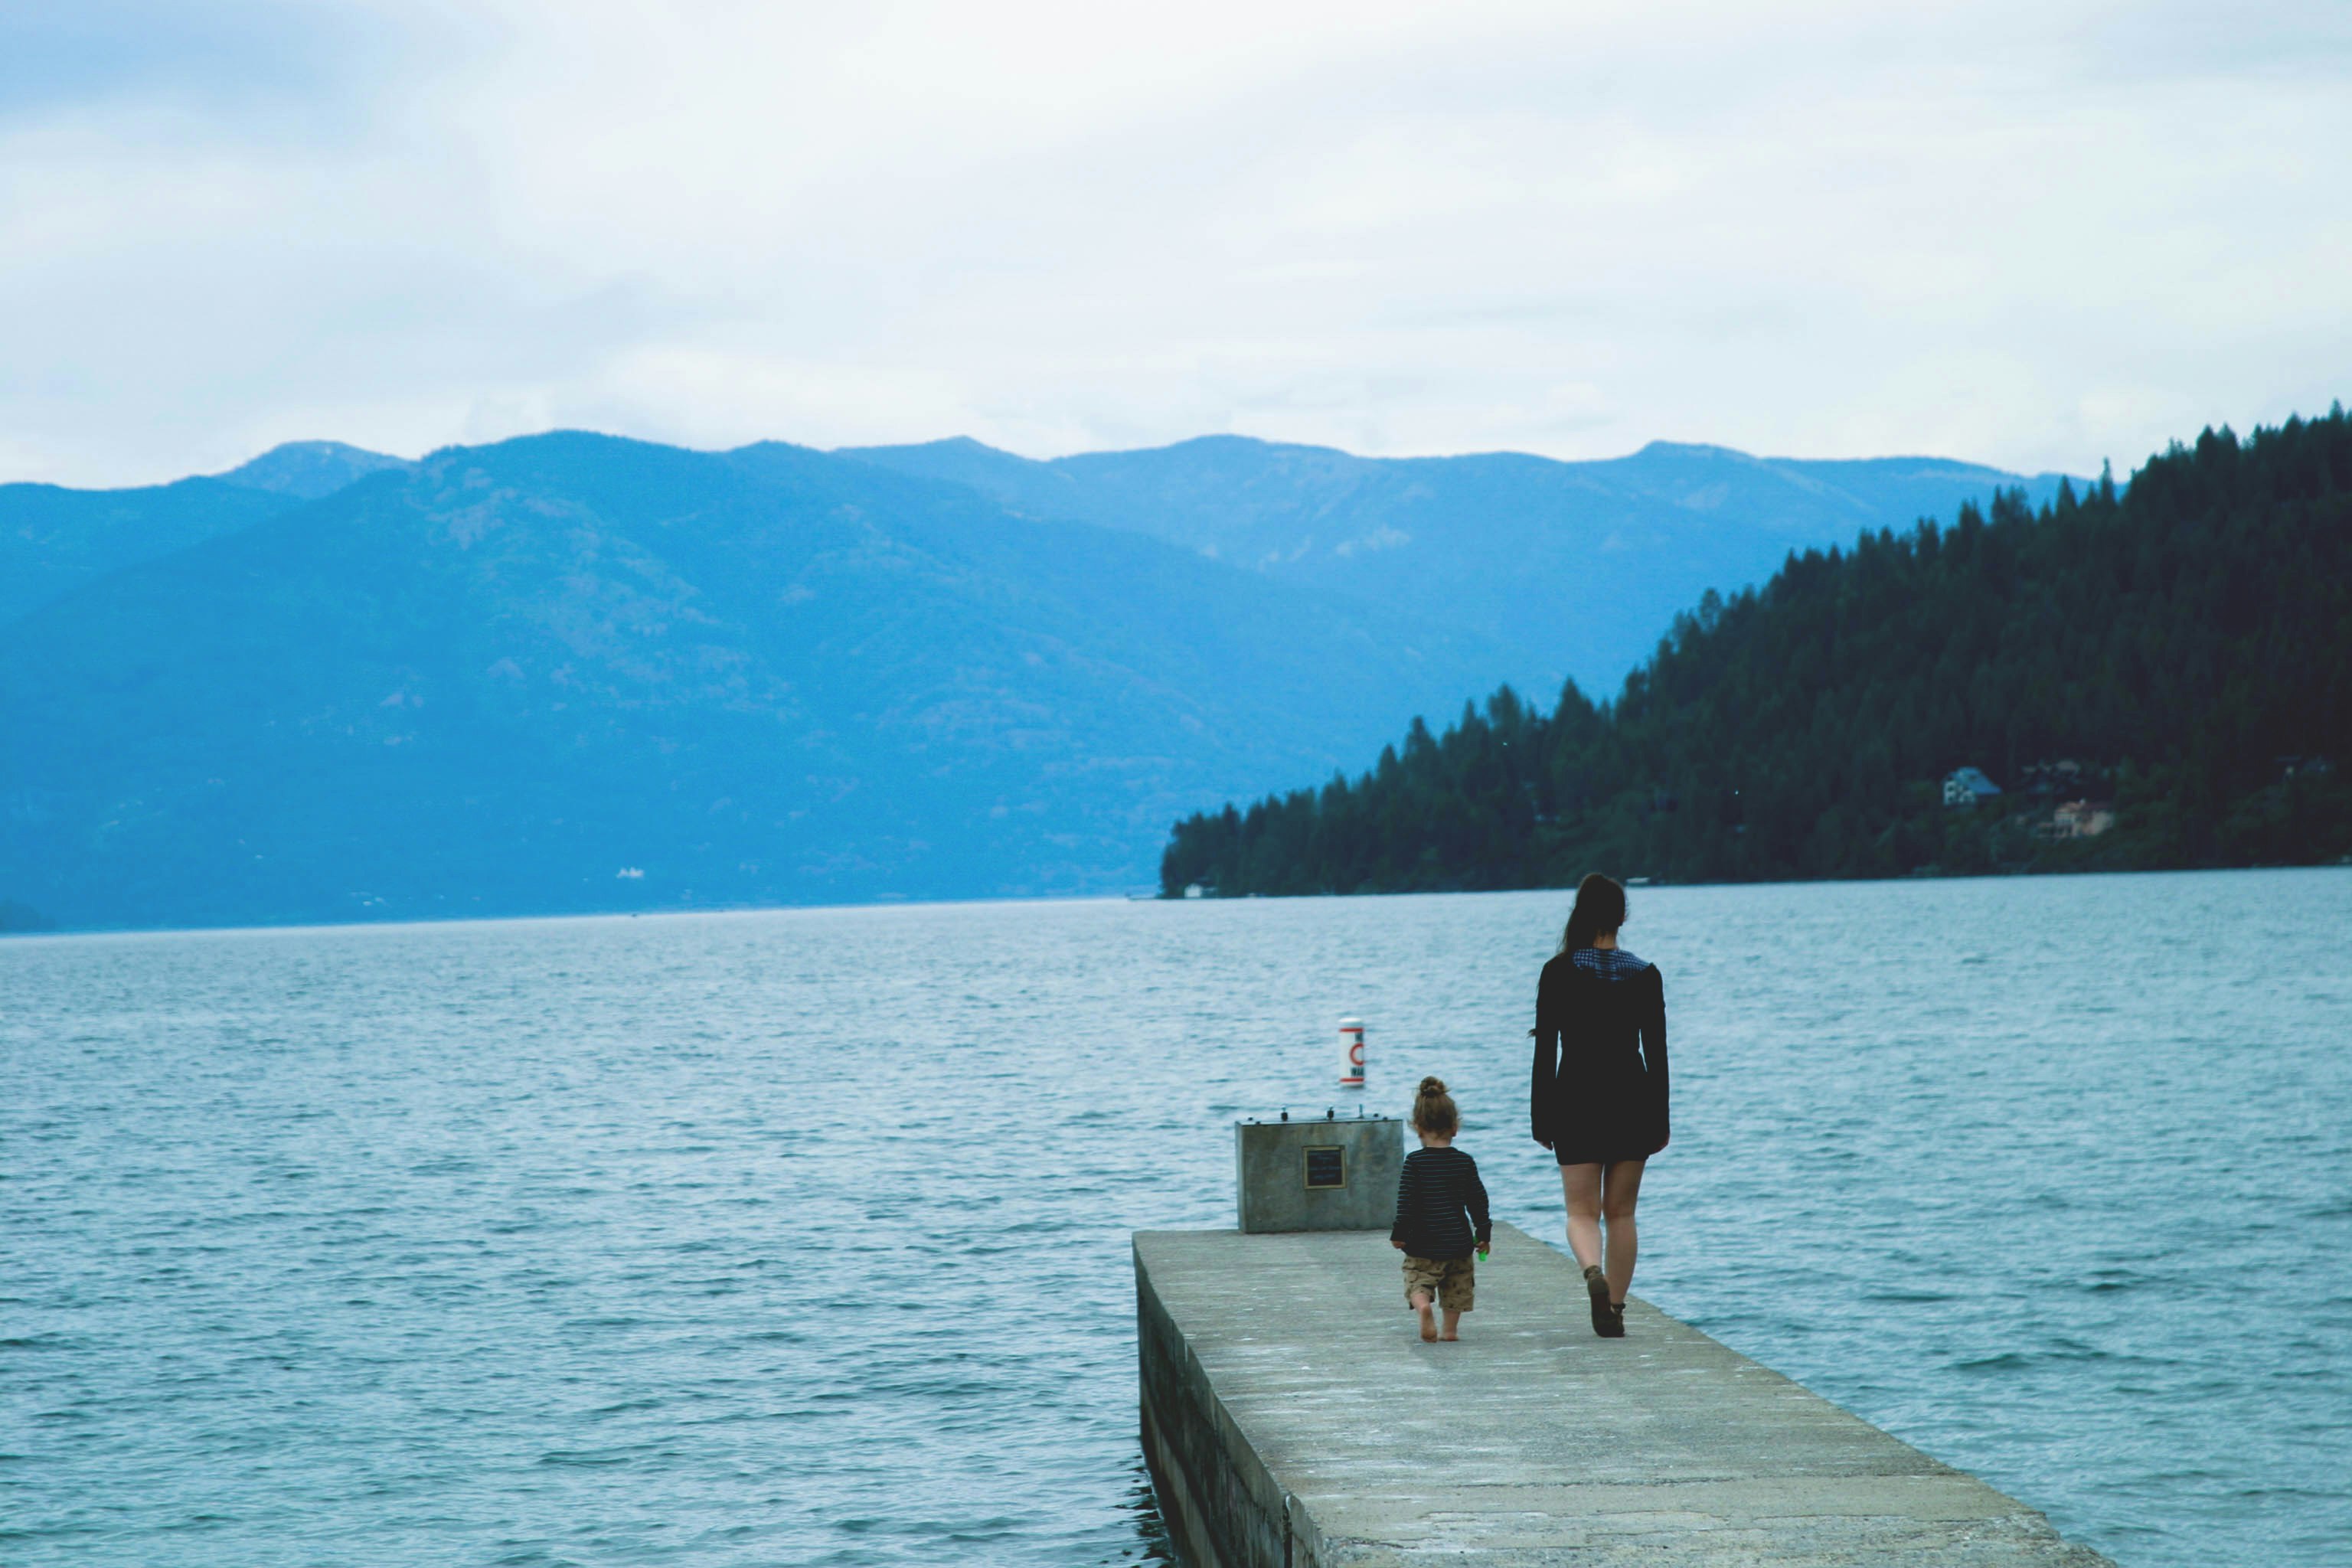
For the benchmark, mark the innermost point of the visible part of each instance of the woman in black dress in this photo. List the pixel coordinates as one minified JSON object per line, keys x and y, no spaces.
{"x":1599,"y":1102}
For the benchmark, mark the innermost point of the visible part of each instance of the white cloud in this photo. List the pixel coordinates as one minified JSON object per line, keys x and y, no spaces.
{"x":2036,"y":236}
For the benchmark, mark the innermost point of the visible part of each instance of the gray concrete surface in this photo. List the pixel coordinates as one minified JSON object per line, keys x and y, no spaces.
{"x":1292,"y":1416}
{"x":1270,"y":1173}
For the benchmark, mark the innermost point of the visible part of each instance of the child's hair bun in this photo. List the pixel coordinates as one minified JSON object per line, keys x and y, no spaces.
{"x":1433,"y":1111}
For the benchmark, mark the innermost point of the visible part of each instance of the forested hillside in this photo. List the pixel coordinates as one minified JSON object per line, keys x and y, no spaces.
{"x":2179,"y":653}
{"x":572,"y":672}
{"x":54,"y":539}
{"x":1573,"y":568}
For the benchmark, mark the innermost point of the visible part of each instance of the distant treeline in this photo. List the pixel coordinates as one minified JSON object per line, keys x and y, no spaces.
{"x":2187,"y":643}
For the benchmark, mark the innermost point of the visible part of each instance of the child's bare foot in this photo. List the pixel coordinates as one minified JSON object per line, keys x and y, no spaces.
{"x":1444,"y":1338}
{"x":1428,"y":1326}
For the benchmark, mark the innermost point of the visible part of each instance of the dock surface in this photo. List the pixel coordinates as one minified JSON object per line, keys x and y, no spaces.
{"x":1292,"y":1416}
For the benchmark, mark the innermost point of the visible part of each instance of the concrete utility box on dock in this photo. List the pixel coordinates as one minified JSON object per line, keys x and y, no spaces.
{"x":1319,"y":1175}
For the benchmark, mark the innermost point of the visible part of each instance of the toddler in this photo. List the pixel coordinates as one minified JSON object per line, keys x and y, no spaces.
{"x":1441,"y":1215}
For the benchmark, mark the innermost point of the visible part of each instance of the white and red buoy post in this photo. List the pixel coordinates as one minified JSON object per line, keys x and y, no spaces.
{"x":1351,"y":1053}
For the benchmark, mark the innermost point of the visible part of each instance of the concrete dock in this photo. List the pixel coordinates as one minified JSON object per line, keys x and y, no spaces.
{"x":1292,"y":1416}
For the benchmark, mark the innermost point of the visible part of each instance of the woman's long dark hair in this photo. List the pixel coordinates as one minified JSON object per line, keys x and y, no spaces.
{"x":1600,"y":906}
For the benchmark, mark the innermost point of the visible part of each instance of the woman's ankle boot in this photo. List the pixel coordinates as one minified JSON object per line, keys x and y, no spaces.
{"x":1607,"y":1321}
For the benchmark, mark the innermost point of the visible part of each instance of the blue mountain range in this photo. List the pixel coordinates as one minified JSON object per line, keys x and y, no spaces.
{"x":1577,"y":568}
{"x":573,"y":672}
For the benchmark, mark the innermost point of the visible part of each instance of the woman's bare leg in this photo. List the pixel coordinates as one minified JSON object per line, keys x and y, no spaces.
{"x":1580,"y":1186}
{"x":1624,"y":1186}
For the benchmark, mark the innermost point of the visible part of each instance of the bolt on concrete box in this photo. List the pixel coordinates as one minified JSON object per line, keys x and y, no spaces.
{"x":1317,"y":1175}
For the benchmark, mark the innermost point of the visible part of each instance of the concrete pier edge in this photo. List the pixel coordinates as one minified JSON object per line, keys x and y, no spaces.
{"x":1292,"y":1419}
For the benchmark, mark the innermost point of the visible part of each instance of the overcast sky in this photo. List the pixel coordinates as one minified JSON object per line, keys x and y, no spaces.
{"x":2036,"y":235}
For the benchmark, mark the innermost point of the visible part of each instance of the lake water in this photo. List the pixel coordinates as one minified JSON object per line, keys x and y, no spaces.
{"x":801,"y":1237}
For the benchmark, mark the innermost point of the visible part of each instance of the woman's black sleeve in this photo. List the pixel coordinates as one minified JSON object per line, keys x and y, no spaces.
{"x":1540,"y":1086}
{"x":1654,"y":1052}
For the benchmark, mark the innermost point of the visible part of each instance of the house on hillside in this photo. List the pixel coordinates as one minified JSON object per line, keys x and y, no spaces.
{"x":2077,"y":819}
{"x":2085,"y":819}
{"x":1969,"y":786}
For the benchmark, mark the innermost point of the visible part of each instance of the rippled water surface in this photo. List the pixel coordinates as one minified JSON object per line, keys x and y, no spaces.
{"x":801,"y":1237}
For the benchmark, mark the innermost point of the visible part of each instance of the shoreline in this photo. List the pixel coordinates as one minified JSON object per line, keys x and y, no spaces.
{"x":879,"y":906}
